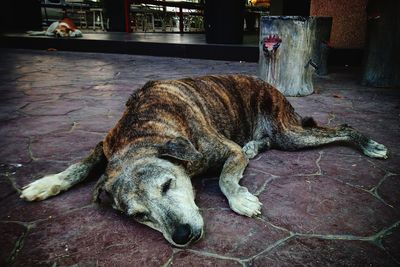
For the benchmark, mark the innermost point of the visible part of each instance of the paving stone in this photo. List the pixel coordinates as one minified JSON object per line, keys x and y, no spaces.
{"x":6,"y":188}
{"x":93,"y":236}
{"x":99,"y":116}
{"x":91,"y":94}
{"x":26,"y":173}
{"x":96,"y":123}
{"x":36,"y":125}
{"x":355,"y":170}
{"x":9,"y":93}
{"x":389,"y":191}
{"x":60,"y":107}
{"x":332,"y":151}
{"x":15,"y":209}
{"x":283,"y":163}
{"x":208,"y":194}
{"x":87,"y":112}
{"x":233,"y":235}
{"x":375,"y":103}
{"x":38,"y":98}
{"x":9,"y":108}
{"x":66,"y":146}
{"x":379,"y":127}
{"x":51,"y":90}
{"x":35,"y":76}
{"x":14,"y":150}
{"x":113,"y":106}
{"x":321,"y":205}
{"x":255,"y":180}
{"x":7,"y":171}
{"x":110,"y":87}
{"x":392,"y":164}
{"x":317,"y":252}
{"x":328,"y":104}
{"x":10,"y":234}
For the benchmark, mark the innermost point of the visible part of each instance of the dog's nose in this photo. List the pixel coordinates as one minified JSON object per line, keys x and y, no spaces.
{"x":182,"y":234}
{"x":198,"y":236}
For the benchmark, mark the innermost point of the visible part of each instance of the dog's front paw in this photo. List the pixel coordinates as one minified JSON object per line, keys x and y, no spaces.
{"x":244,"y":203}
{"x":375,"y":150}
{"x":43,"y":188}
{"x":250,"y":149}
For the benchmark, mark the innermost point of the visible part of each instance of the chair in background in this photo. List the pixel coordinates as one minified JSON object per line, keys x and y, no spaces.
{"x":77,"y":13}
{"x":98,"y":21}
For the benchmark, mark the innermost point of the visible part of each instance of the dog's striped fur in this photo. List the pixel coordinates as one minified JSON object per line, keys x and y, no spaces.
{"x":173,"y":130}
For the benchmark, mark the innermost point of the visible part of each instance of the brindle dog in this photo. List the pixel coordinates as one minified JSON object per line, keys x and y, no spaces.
{"x":174,"y":130}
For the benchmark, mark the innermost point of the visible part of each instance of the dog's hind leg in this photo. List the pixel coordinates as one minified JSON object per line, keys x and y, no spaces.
{"x":240,"y":199}
{"x":51,"y":185}
{"x":297,"y":137}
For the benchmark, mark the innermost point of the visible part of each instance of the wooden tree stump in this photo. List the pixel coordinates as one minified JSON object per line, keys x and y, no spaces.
{"x":290,"y":51}
{"x":382,"y":54}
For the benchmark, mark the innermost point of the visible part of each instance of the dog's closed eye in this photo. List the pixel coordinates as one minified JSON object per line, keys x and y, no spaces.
{"x":166,"y":186}
{"x":141,"y":216}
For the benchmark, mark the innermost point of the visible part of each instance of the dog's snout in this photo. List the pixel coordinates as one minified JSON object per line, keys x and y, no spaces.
{"x":182,"y":234}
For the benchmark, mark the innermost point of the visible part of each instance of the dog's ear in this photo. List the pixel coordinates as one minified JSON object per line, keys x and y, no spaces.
{"x":99,"y":188}
{"x":180,"y":148}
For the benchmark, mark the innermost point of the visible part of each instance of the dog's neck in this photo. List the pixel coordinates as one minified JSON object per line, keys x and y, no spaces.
{"x":136,"y":151}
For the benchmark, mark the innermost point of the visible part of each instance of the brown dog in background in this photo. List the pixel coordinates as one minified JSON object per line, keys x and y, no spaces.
{"x":62,"y":28}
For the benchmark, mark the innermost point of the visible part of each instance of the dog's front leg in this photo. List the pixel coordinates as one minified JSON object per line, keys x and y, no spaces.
{"x":53,"y":184}
{"x":240,"y":199}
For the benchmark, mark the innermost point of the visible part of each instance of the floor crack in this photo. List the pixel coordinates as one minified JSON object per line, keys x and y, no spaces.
{"x":374,"y":190}
{"x":18,"y":244}
{"x":169,"y":261}
{"x":8,"y":171}
{"x":378,"y":237}
{"x":214,"y":255}
{"x":278,"y":243}
{"x":263,"y":187}
{"x":30,"y":152}
{"x":273,"y":225}
{"x":319,"y":170}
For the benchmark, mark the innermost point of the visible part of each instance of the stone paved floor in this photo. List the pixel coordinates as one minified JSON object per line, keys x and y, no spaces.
{"x":322,"y":207}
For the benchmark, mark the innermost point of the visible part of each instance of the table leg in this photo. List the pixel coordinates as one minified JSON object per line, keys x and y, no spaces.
{"x":180,"y":20}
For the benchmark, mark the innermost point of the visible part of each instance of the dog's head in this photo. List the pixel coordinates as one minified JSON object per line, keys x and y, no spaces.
{"x":155,"y":190}
{"x":67,"y":28}
{"x":62,"y":31}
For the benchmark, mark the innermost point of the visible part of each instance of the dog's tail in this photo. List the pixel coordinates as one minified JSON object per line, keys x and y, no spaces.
{"x":51,"y":185}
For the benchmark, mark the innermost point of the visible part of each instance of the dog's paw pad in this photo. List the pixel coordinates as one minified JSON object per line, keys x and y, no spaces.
{"x":245,"y":203}
{"x":375,"y":150}
{"x":250,"y":150}
{"x":41,"y":189}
